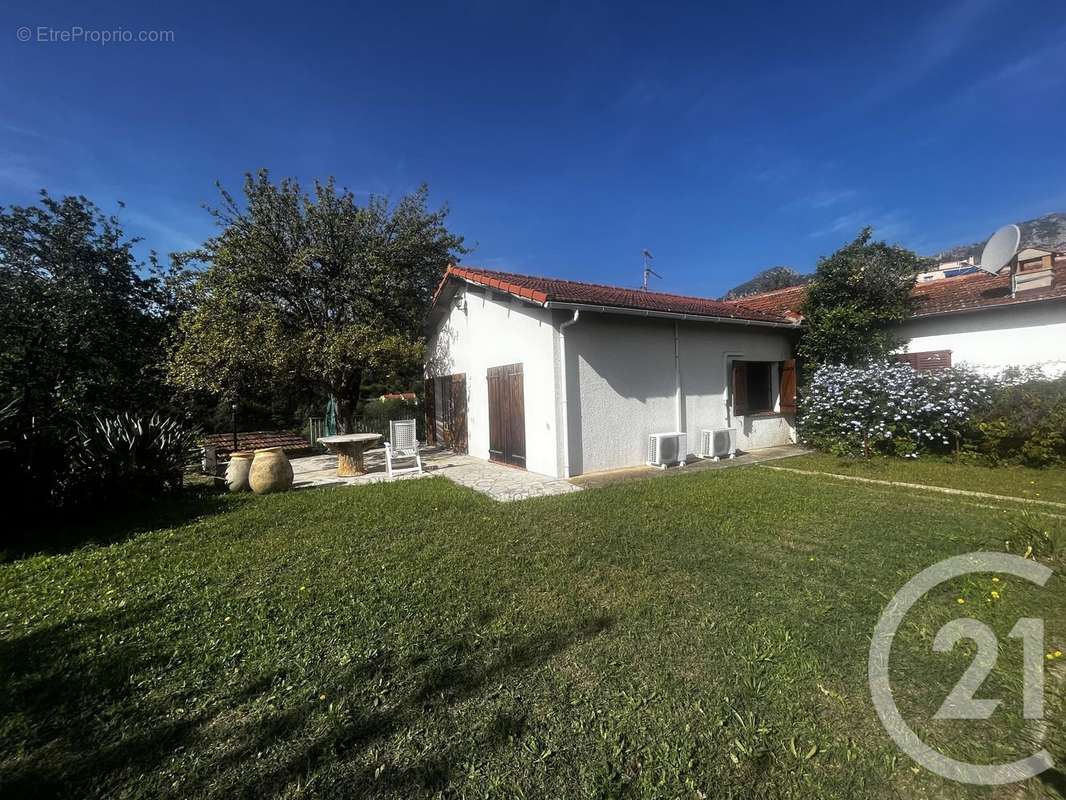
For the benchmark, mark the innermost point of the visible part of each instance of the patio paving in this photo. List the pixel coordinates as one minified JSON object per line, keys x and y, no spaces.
{"x":503,"y":483}
{"x":499,"y":482}
{"x":596,"y":479}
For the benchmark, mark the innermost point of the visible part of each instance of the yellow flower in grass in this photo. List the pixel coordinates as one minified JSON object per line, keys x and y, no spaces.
{"x":960,"y":601}
{"x":1058,"y":654}
{"x":995,"y":595}
{"x":995,"y":580}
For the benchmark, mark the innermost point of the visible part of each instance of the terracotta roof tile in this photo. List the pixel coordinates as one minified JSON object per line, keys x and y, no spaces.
{"x":785,"y":301}
{"x":980,"y":290}
{"x":293,"y":442}
{"x":943,"y":296}
{"x":542,"y":290}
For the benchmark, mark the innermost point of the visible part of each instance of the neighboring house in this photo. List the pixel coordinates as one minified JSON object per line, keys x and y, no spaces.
{"x":407,"y":397}
{"x":986,"y":321}
{"x":564,"y":378}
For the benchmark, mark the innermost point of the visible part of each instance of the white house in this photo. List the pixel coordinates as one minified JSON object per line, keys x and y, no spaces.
{"x":563,"y":378}
{"x":988,"y":322}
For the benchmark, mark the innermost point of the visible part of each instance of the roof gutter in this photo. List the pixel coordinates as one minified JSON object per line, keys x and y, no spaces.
{"x":637,"y":312}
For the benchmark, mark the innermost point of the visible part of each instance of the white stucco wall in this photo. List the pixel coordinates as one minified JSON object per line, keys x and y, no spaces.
{"x":490,"y":332}
{"x":621,"y":386}
{"x":1021,"y":335}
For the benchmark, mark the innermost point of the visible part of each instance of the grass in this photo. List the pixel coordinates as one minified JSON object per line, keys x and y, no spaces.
{"x":700,"y":636}
{"x":1024,"y":482}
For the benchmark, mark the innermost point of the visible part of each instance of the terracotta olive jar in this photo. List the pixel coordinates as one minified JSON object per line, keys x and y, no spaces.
{"x":270,"y":472}
{"x":237,"y":471}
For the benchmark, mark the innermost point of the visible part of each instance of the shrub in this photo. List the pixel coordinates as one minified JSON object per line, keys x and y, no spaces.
{"x":1024,"y":423}
{"x":887,"y":407}
{"x":856,"y":302}
{"x":128,"y":455}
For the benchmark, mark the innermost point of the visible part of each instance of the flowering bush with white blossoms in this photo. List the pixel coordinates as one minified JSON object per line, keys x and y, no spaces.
{"x":888,"y":407}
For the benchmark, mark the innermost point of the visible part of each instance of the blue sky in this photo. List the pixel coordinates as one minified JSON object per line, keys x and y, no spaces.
{"x":566,"y":138}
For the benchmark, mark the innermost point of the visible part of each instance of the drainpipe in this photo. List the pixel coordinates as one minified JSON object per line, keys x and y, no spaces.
{"x":677,"y":382}
{"x":562,"y":387}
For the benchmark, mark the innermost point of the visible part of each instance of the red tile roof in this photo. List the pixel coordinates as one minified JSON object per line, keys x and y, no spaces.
{"x":944,"y":296}
{"x":294,"y":443}
{"x":980,"y":290}
{"x":780,"y":301}
{"x":544,"y":290}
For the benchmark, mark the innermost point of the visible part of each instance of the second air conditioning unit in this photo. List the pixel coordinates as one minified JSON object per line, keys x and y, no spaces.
{"x":718,"y":443}
{"x":667,"y":448}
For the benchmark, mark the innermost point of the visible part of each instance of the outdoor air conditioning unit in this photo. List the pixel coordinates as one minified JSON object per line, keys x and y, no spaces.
{"x":717,"y":443}
{"x":667,"y":448}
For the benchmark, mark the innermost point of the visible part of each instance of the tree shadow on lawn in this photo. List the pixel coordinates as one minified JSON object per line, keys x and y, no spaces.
{"x":55,"y":533}
{"x":451,"y":673}
{"x":79,"y":719}
{"x":1054,"y":779}
{"x":58,"y":699}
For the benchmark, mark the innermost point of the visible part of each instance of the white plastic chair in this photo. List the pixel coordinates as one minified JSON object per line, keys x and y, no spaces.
{"x":402,"y":444}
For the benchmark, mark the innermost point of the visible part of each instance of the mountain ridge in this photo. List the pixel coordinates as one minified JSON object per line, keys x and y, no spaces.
{"x":1046,"y":231}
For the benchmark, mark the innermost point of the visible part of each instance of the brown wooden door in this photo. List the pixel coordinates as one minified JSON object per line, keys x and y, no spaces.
{"x":452,"y":403}
{"x":507,"y":415}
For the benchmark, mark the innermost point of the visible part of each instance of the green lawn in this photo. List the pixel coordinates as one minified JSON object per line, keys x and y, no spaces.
{"x":1034,"y":484}
{"x":703,"y":635}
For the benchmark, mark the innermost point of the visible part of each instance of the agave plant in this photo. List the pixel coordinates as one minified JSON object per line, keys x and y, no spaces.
{"x":132,"y":454}
{"x":8,"y":429}
{"x":9,"y":410}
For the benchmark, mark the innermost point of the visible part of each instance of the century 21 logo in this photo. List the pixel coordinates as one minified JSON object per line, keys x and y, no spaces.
{"x":960,"y":702}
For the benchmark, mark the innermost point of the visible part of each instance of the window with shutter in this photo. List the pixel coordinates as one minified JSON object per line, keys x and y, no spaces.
{"x":752,"y":387}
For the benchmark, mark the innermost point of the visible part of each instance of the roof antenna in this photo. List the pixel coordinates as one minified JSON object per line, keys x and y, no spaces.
{"x":647,"y":269}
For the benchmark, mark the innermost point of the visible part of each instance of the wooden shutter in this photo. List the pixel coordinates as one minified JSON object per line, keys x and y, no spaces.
{"x":517,"y":415}
{"x":507,"y":420}
{"x":928,"y":360}
{"x":494,"y":379}
{"x":788,"y":386}
{"x":431,"y":410}
{"x":458,"y":402}
{"x":740,"y":388}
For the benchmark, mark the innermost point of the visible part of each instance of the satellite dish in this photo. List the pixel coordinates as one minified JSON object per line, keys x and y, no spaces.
{"x":1000,"y":249}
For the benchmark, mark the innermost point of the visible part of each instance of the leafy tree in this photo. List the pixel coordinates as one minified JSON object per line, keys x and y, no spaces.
{"x":311,"y":290}
{"x":81,"y":327}
{"x":856,"y":301}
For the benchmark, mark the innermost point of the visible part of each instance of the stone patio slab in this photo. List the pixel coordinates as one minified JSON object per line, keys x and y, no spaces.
{"x":499,"y":482}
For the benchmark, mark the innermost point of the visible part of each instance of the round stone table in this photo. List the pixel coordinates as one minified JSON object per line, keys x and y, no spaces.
{"x":349,"y":448}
